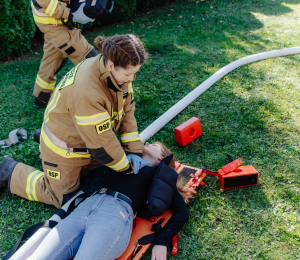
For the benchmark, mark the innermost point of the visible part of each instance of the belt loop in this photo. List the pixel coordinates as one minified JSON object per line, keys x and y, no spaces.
{"x":116,"y":195}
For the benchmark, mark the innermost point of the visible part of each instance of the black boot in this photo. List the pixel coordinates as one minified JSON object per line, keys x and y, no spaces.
{"x":6,"y":168}
{"x":37,"y":135}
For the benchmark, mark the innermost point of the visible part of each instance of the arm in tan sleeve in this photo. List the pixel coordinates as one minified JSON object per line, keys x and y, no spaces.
{"x":94,"y":126}
{"x":53,"y":8}
{"x":129,"y":135}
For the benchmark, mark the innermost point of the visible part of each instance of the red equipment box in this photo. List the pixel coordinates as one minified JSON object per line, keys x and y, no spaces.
{"x":248,"y":176}
{"x":188,"y":131}
{"x":234,"y":176}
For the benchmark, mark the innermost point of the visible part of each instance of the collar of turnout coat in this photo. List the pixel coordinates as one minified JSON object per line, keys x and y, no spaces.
{"x":111,"y":83}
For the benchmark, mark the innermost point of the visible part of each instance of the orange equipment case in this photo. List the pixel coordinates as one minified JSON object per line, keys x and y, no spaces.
{"x":233,"y":175}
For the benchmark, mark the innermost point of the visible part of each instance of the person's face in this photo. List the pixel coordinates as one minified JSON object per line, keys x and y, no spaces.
{"x":122,"y":75}
{"x":152,"y":153}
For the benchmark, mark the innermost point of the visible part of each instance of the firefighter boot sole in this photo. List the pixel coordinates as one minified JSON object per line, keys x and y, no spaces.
{"x":7,"y":166}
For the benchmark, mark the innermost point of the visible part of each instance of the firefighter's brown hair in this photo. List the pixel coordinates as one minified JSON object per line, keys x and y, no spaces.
{"x":182,"y":179}
{"x":123,"y":50}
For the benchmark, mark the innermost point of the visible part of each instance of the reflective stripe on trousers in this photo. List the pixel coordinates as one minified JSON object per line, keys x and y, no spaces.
{"x":31,"y":181}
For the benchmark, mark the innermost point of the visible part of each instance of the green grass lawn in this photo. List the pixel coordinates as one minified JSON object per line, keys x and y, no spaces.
{"x":252,"y":113}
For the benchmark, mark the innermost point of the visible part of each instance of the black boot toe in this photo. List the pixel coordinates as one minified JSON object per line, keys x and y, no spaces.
{"x":7,"y":166}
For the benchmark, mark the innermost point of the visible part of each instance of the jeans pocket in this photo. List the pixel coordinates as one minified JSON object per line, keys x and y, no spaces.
{"x":126,"y":208}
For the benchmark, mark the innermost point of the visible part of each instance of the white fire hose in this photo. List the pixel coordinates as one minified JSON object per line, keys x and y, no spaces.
{"x":183,"y":103}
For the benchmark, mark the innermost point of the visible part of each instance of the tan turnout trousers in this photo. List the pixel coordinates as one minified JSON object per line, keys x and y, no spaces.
{"x":60,"y":43}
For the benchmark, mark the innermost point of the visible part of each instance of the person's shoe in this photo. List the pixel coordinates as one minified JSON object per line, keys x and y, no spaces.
{"x":42,"y":99}
{"x":37,"y":135}
{"x":7,"y":166}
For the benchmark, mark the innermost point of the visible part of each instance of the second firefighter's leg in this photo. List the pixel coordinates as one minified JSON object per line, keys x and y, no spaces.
{"x":52,"y":61}
{"x":73,"y":44}
{"x":54,"y":186}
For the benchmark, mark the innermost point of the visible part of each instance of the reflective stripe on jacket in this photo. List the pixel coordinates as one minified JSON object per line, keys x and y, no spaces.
{"x":49,"y":11}
{"x":83,"y":114}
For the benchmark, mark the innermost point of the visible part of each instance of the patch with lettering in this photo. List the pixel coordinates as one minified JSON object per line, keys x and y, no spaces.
{"x":103,"y":127}
{"x":53,"y":174}
{"x":69,"y":78}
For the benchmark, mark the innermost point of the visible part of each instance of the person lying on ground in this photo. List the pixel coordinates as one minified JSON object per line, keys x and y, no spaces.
{"x":100,"y":227}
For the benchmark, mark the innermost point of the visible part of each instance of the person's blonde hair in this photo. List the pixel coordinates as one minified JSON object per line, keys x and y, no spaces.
{"x":182,"y":178}
{"x":123,"y":50}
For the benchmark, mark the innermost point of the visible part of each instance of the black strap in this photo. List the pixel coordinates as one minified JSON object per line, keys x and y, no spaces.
{"x":28,"y":233}
{"x":229,"y":157}
{"x":149,"y":239}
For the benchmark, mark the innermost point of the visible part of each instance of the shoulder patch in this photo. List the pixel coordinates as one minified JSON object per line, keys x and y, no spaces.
{"x":69,"y":78}
{"x":53,"y":174}
{"x":103,"y":127}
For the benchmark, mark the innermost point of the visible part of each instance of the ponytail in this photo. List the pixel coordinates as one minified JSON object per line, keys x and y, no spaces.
{"x":122,"y":50}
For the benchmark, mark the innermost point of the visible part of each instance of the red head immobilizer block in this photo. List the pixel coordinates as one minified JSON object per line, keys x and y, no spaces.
{"x":232,"y":166}
{"x":188,"y":131}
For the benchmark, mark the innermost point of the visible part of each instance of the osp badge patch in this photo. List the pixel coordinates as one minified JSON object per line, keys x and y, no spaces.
{"x":53,"y":174}
{"x":103,"y":127}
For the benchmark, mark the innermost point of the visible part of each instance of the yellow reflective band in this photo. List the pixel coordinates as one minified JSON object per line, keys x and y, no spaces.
{"x":62,"y":152}
{"x":128,"y":134}
{"x":92,"y":120}
{"x":51,"y":7}
{"x":119,"y":114}
{"x":31,"y":181}
{"x":43,"y":84}
{"x":47,"y":20}
{"x":33,"y":185}
{"x":131,"y":140}
{"x":130,"y":89}
{"x":124,"y":100}
{"x":121,"y":164}
{"x":130,"y":137}
{"x":52,"y":104}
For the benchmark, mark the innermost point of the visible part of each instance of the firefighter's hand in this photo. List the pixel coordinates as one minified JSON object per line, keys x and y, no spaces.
{"x":159,"y":253}
{"x":137,"y":162}
{"x":80,"y":17}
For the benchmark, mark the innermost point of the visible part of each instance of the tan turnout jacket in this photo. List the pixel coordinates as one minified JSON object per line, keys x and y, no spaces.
{"x":83,"y":114}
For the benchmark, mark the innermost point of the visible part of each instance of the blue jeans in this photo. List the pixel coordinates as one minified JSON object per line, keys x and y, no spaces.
{"x":99,"y":228}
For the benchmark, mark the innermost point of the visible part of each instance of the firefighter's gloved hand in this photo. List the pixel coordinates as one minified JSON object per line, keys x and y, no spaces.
{"x":137,"y":162}
{"x":80,"y":17}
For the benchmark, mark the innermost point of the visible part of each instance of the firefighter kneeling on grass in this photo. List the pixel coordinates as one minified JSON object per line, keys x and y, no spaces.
{"x":91,"y":103}
{"x":62,"y":39}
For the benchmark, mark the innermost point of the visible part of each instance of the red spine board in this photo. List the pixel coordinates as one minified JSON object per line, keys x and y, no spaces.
{"x":142,"y":228}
